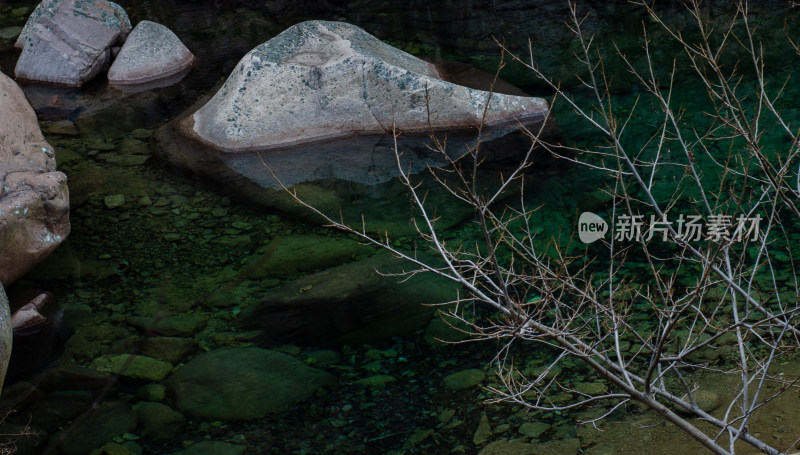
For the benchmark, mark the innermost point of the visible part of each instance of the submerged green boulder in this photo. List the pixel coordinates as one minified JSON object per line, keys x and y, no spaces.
{"x":464,"y":379}
{"x":110,"y":420}
{"x":446,"y":329}
{"x":159,"y":421}
{"x":133,"y":366}
{"x":354,"y":303}
{"x":212,"y":448}
{"x":292,"y":254}
{"x":243,"y":383}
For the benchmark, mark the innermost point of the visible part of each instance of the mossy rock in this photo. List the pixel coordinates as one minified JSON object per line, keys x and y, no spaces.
{"x":465,"y":379}
{"x":293,"y":254}
{"x":159,"y":421}
{"x":133,"y":366}
{"x":112,"y":419}
{"x":243,"y":383}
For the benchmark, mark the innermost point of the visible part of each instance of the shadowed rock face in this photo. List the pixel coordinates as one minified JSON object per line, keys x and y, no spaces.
{"x":322,"y":80}
{"x":34,"y":200}
{"x":36,"y":325}
{"x":68,"y":42}
{"x":151,"y":52}
{"x":5,"y":335}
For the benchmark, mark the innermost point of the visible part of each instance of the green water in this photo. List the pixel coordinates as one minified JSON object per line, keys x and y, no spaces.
{"x":177,"y":250}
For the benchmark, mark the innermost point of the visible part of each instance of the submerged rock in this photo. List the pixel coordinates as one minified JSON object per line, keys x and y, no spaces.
{"x":243,"y":384}
{"x":534,"y":429}
{"x":68,"y":42}
{"x":133,"y":366}
{"x":110,"y":420}
{"x":213,"y":448}
{"x":10,"y":33}
{"x":446,"y":329}
{"x":379,"y":380}
{"x":159,"y":421}
{"x":179,"y":325}
{"x":464,"y":379}
{"x":483,"y":432}
{"x":517,"y":447}
{"x":354,"y":303}
{"x":34,"y":200}
{"x":152,"y":52}
{"x":169,"y":349}
{"x":303,"y":253}
{"x":385,"y":205}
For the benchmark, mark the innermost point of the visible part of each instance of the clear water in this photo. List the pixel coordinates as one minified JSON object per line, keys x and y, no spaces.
{"x":175,"y":248}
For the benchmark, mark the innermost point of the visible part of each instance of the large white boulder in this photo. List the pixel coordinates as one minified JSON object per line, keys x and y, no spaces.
{"x":34,"y":200}
{"x":320,"y":80}
{"x":321,"y":100}
{"x":68,"y":42}
{"x":152,"y":52}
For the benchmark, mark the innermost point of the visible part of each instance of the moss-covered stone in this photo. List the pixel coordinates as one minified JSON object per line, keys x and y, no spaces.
{"x":445,"y":329}
{"x":112,"y":419}
{"x":289,"y":255}
{"x":243,"y":384}
{"x":152,"y":392}
{"x":133,"y":366}
{"x":159,"y":421}
{"x":180,"y":325}
{"x":169,"y":349}
{"x":378,"y":380}
{"x":212,"y":448}
{"x":464,"y":379}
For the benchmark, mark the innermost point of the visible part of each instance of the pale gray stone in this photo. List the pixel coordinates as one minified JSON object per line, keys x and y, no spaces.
{"x":151,"y":52}
{"x":34,"y":200}
{"x":68,"y":42}
{"x":321,"y":80}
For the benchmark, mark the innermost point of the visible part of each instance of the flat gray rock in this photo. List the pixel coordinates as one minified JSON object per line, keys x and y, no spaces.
{"x":151,"y":52}
{"x":68,"y":42}
{"x":321,"y":80}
